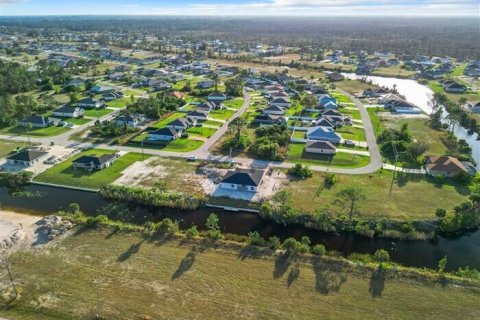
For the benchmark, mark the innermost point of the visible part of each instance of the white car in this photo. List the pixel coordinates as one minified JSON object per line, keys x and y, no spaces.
{"x":192,"y":158}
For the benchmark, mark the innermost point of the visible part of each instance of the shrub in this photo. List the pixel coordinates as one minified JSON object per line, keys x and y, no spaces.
{"x":301,"y":171}
{"x":330,"y":179}
{"x":255,"y":239}
{"x":319,"y":250}
{"x":169,"y":226}
{"x":273,"y":243}
{"x":192,"y":232}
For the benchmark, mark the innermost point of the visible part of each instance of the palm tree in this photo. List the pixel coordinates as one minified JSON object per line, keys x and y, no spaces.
{"x":352,"y":194}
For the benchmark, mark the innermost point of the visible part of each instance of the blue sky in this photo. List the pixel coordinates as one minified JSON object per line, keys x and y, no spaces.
{"x":242,"y":7}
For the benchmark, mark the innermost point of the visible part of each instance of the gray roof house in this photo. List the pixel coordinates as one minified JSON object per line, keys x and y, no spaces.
{"x":164,"y":134}
{"x":26,"y":157}
{"x":323,"y":134}
{"x":243,"y":180}
{"x":182,"y":123}
{"x":69,"y":112}
{"x":93,"y":162}
{"x":36,"y":121}
{"x":321,"y":147}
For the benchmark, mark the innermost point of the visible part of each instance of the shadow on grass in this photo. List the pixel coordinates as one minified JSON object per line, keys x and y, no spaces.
{"x":377,"y":283}
{"x":328,"y":279}
{"x":293,"y":275}
{"x":134,"y":248}
{"x":186,"y":263}
{"x":281,"y":264}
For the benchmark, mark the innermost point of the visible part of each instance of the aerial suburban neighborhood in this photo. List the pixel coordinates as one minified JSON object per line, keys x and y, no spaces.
{"x":183,"y":167}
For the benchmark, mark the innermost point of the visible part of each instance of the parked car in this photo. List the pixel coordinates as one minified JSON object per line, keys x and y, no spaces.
{"x":349,"y":143}
{"x":192,"y":158}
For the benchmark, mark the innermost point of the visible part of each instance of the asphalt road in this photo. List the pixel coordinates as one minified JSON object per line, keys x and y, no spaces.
{"x":203,"y":152}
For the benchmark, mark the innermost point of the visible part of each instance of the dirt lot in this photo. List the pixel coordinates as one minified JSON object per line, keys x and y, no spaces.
{"x":192,"y":177}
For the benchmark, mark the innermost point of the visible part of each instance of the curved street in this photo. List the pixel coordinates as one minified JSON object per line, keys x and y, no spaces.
{"x":203,"y":153}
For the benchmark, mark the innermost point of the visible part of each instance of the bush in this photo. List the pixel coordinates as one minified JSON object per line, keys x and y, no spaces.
{"x":301,"y":171}
{"x":255,"y":239}
{"x":274,"y":243}
{"x":192,"y":232}
{"x":330,"y":179}
{"x":319,"y":250}
{"x":168,"y":226}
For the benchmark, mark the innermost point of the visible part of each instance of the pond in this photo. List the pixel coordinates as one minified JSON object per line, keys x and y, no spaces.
{"x":421,"y":96}
{"x":461,"y":251}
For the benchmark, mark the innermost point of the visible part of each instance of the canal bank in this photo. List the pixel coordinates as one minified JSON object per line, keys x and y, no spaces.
{"x":461,"y":251}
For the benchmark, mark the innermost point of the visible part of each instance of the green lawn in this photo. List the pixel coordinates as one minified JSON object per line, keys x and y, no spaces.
{"x":413,"y":196}
{"x":377,"y":124}
{"x":296,"y":154}
{"x":147,"y":278}
{"x":64,"y":173}
{"x":352,"y":133}
{"x":97,"y":113}
{"x":35,"y":132}
{"x":223,"y":114}
{"x":178,"y":145}
{"x":7,"y":147}
{"x":341,"y":98}
{"x":235,"y":103}
{"x":213,"y":123}
{"x":202,"y":132}
{"x":354,"y":114}
{"x":119,"y":103}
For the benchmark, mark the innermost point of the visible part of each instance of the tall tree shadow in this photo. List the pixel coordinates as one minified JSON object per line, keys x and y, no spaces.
{"x":186,"y":263}
{"x":281,"y":264}
{"x":134,"y":248}
{"x":328,"y":279}
{"x":294,"y":274}
{"x":377,"y":283}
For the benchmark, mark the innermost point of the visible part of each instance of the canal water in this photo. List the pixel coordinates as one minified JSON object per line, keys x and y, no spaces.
{"x":461,"y":251}
{"x":421,"y":96}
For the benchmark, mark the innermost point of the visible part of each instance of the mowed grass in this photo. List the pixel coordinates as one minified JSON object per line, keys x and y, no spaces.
{"x":177,"y":145}
{"x":413,"y":196}
{"x":297,"y":154}
{"x":163,"y":122}
{"x":7,"y":147}
{"x":64,"y":174}
{"x":201,"y":132}
{"x":97,"y":113}
{"x":235,"y":103}
{"x":352,"y":133}
{"x":35,"y":132}
{"x":141,"y":278}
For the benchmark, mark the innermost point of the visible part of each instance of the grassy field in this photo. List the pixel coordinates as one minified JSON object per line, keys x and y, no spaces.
{"x":177,"y":145}
{"x":6,"y":147}
{"x":221,"y":114}
{"x":162,"y":123}
{"x":97,"y":113}
{"x":35,"y":132}
{"x":235,"y":103}
{"x":145,"y":278}
{"x":296,"y":153}
{"x":64,"y":173}
{"x":352,"y":133}
{"x":413,"y":196}
{"x":354,"y":86}
{"x":201,"y":132}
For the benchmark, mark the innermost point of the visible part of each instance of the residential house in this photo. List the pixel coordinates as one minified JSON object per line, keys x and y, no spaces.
{"x":94,"y":162}
{"x":274,"y":110}
{"x":89,"y":103}
{"x":444,"y":166}
{"x":323,"y":134}
{"x":110,"y":96}
{"x":321,"y":147}
{"x":243,"y":180}
{"x":36,"y":121}
{"x":402,"y":106}
{"x":26,"y":157}
{"x":131,"y":120}
{"x":270,"y":119}
{"x":164,"y":134}
{"x":178,"y":95}
{"x":197,"y":115}
{"x":101,"y":89}
{"x":216,"y":97}
{"x":75,"y":83}
{"x":205,"y":84}
{"x":116,"y":76}
{"x":335,"y":76}
{"x":280,"y":102}
{"x":182,"y":123}
{"x":473,"y":107}
{"x":69,"y":112}
{"x":453,"y":86}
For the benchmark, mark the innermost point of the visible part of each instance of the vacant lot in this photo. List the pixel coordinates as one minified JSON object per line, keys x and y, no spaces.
{"x":140,"y":278}
{"x":413,"y":196}
{"x":35,"y":132}
{"x":64,"y":173}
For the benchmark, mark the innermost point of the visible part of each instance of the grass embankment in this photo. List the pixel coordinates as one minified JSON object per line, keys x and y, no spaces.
{"x":139,"y":278}
{"x":413,"y":196}
{"x":64,"y":174}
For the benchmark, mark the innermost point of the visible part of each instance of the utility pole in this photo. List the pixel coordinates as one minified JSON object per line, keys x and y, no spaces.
{"x":395,"y":168}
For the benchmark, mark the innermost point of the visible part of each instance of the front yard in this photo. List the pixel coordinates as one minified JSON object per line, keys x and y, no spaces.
{"x":35,"y":132}
{"x":297,"y":153}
